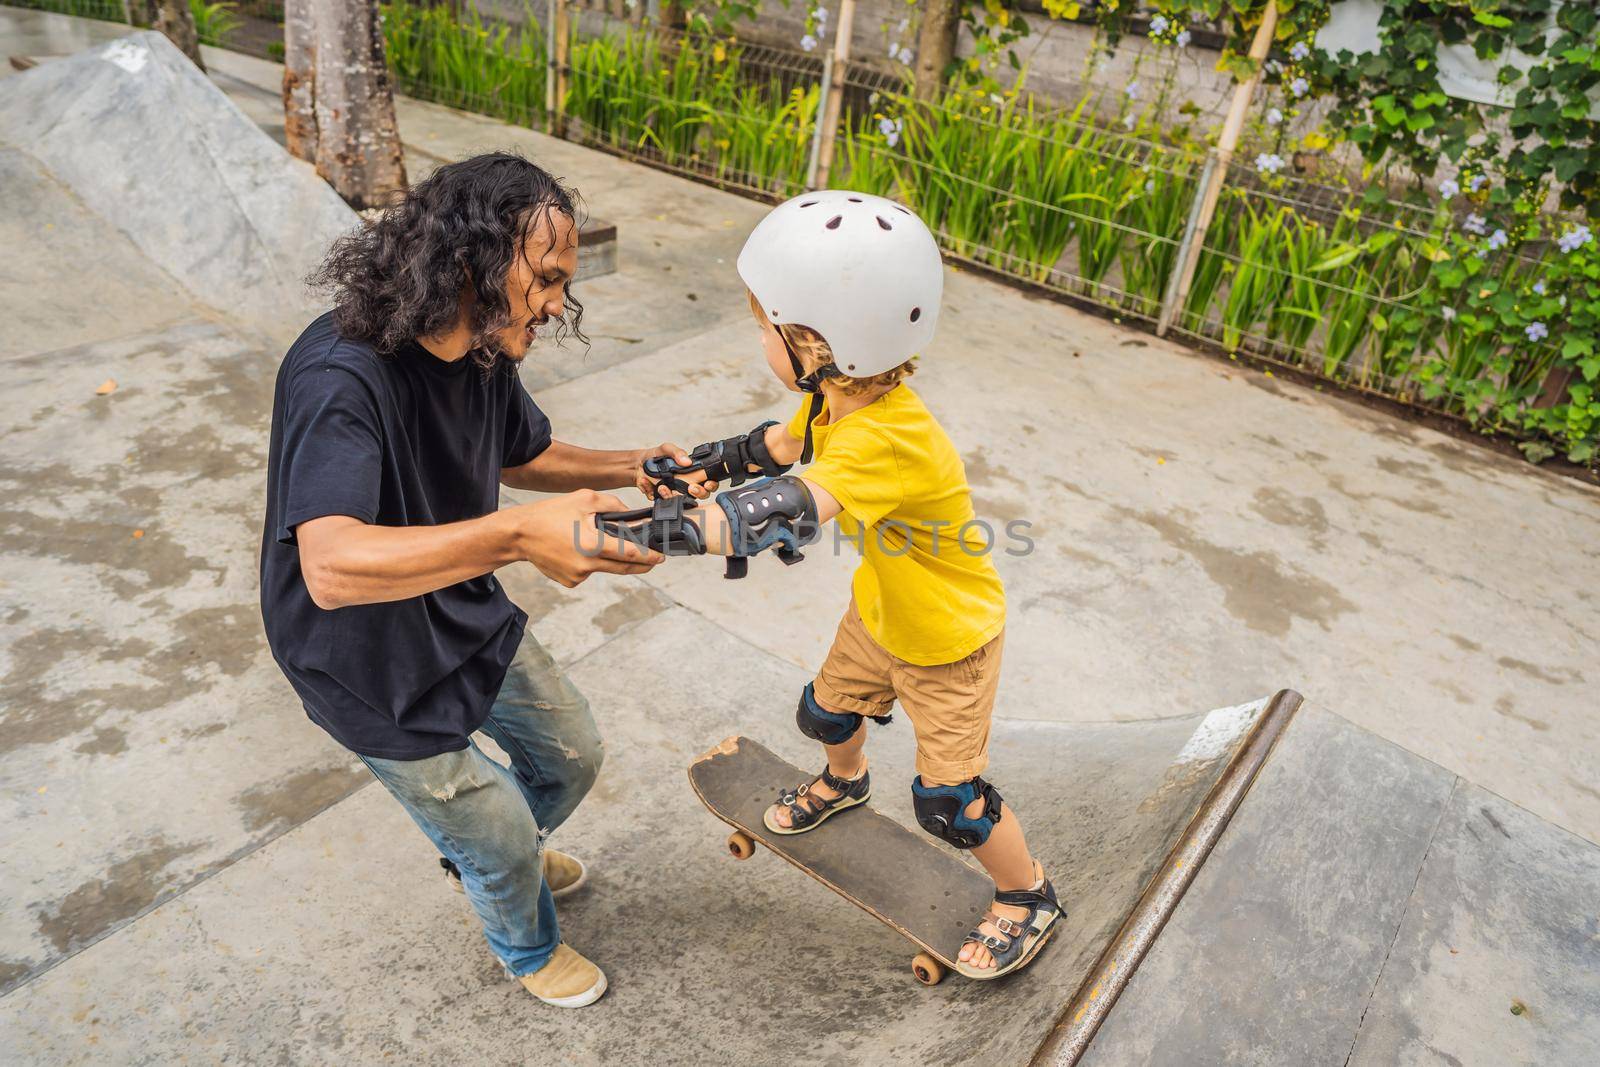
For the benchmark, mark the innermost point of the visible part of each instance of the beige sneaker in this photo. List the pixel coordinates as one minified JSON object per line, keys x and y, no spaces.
{"x":567,"y":981}
{"x":565,"y":874}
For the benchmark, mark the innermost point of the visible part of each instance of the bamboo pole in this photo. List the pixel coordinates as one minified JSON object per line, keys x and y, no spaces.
{"x":816,"y":135}
{"x":560,"y":46}
{"x":1211,"y":187}
{"x":835,"y":101}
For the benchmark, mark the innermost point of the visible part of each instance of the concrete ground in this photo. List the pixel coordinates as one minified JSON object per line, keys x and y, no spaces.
{"x":1203,"y":535}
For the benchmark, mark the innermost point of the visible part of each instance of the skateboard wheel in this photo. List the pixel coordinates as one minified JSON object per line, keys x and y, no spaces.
{"x":740,"y":845}
{"x":928,"y":970}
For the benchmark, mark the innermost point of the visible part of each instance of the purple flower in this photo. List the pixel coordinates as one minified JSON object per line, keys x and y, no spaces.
{"x":1449,"y":188}
{"x":1183,"y":39}
{"x":890,"y":128}
{"x":1448,"y":314}
{"x":1299,"y":87}
{"x":1274,"y":117}
{"x":1300,"y":51}
{"x":1132,"y":90}
{"x":1574,"y":239}
{"x":1274,"y":67}
{"x":906,"y":56}
{"x":1538,"y":287}
{"x":1158,"y":25}
{"x":1475,"y":223}
{"x":1478,"y":182}
{"x":1269,"y":163}
{"x":1537,"y":331}
{"x":808,"y":43}
{"x":1497,"y":240}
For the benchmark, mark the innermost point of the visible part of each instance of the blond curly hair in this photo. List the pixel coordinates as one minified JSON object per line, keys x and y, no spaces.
{"x":814,"y":351}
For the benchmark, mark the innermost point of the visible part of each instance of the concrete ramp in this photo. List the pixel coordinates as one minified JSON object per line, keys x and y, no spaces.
{"x":154,"y":244}
{"x":145,"y":141}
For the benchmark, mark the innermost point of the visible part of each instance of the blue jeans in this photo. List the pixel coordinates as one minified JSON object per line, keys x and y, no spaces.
{"x":491,"y":822}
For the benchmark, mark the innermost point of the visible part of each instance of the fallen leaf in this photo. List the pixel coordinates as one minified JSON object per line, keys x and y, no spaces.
{"x":107,"y":387}
{"x":138,"y":534}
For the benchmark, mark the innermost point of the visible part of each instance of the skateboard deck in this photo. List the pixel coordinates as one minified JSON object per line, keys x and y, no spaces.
{"x":898,"y":876}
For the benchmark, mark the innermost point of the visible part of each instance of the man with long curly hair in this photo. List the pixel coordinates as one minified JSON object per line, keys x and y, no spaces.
{"x":397,"y":417}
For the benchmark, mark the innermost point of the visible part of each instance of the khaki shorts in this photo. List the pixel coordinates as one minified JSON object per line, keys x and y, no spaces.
{"x":949,"y":704}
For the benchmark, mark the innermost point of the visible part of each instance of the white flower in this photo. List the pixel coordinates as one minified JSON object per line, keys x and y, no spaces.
{"x":1269,"y":163}
{"x":890,"y":128}
{"x":1497,"y":240}
{"x":1300,"y":51}
{"x":1273,"y":66}
{"x":1537,"y":331}
{"x":1183,"y":39}
{"x":1158,"y":25}
{"x":894,"y":49}
{"x":1448,"y":314}
{"x":1150,"y":186}
{"x":906,"y":57}
{"x":808,"y":42}
{"x":821,"y":15}
{"x":1127,"y":121}
{"x":1131,"y":90}
{"x":1474,"y":223}
{"x":1574,"y":239}
{"x":1299,"y":86}
{"x":1538,"y":287}
{"x":1274,"y":117}
{"x":1449,"y":188}
{"x":900,"y":27}
{"x":997,"y":98}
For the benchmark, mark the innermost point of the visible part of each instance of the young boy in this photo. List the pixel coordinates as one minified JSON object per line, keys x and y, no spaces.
{"x":846,"y":289}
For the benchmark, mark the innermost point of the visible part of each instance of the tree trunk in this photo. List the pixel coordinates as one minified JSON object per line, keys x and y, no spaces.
{"x":358,"y":140}
{"x":936,"y":45}
{"x":174,"y":20}
{"x":300,"y":79}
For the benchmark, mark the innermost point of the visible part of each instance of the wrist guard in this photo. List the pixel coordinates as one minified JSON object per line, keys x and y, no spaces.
{"x":776,"y":513}
{"x":727,"y":461}
{"x":663,"y":527}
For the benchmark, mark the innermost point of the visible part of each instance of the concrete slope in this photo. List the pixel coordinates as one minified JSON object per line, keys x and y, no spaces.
{"x":1368,"y":907}
{"x":145,"y":141}
{"x":153,"y":240}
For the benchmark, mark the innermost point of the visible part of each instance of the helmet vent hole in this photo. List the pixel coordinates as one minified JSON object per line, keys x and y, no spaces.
{"x":850,"y":366}
{"x":854,"y":199}
{"x":916,"y":313}
{"x":809,"y":203}
{"x":883,"y":222}
{"x":902,"y":210}
{"x":833,"y":223}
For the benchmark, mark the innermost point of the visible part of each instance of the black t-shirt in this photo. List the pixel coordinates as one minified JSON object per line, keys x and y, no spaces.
{"x":399,"y":440}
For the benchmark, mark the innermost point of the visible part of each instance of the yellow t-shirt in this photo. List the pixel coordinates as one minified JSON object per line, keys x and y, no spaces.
{"x":926,"y":588}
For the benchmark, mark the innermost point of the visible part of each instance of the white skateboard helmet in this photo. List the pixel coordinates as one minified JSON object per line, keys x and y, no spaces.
{"x":860,"y":270}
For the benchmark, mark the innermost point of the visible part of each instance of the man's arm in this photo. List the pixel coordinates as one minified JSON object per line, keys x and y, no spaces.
{"x":561,"y":468}
{"x":346,"y":561}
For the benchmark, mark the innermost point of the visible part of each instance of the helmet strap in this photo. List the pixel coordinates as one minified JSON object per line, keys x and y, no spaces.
{"x":809,"y":383}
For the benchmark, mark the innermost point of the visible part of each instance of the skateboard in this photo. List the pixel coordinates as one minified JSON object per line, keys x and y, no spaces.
{"x":898,"y":876}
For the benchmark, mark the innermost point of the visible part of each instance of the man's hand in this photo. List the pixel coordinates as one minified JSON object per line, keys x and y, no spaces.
{"x":699,"y":486}
{"x":560,"y":537}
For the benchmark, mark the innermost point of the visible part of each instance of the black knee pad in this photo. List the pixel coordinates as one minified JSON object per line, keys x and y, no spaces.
{"x":820,"y":724}
{"x":942,"y":810}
